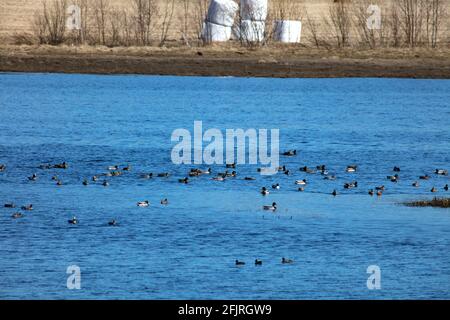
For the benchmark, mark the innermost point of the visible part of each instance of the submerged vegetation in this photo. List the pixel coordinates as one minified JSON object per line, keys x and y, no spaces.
{"x":436,"y":202}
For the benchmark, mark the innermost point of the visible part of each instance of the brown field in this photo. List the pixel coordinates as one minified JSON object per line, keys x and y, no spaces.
{"x":228,"y":59}
{"x":16,"y":16}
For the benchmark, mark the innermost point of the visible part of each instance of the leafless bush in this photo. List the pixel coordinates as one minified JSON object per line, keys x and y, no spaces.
{"x":166,"y":20}
{"x":373,"y":36}
{"x":288,"y":10}
{"x":339,"y":22}
{"x":313,"y":28}
{"x":101,"y":20}
{"x":144,"y":15}
{"x":394,"y":26}
{"x":50,"y":22}
{"x":435,"y":11}
{"x":200,"y":9}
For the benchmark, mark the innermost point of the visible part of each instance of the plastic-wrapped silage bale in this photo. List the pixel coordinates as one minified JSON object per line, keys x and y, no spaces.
{"x":252,"y":31}
{"x":222,"y":12}
{"x":215,"y":32}
{"x":288,"y":31}
{"x":255,"y":10}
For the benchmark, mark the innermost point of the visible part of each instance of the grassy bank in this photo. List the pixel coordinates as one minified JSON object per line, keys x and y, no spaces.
{"x":229,"y":60}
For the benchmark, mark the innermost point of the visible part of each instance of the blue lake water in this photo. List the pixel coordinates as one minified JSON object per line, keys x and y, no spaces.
{"x":186,"y":250}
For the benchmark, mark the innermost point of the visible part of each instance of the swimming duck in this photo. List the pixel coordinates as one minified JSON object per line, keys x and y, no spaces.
{"x":239,"y":263}
{"x":2,"y":167}
{"x":276,"y":186}
{"x":85,"y":182}
{"x":185,"y":180}
{"x":112,"y":223}
{"x":55,"y":178}
{"x":163,"y":175}
{"x":231,"y":165}
{"x":415,"y":184}
{"x":258,"y":262}
{"x":434,"y":190}
{"x":219,"y":178}
{"x":351,"y":168}
{"x":301,"y":182}
{"x":307,"y":170}
{"x":287,"y":172}
{"x":10,"y":205}
{"x":264,"y":191}
{"x":147,"y":175}
{"x":424,"y":177}
{"x":351,"y":185}
{"x":230,"y":174}
{"x":281,"y":169}
{"x":143,"y":203}
{"x":94,"y":178}
{"x":273,"y":207}
{"x":112,"y":168}
{"x":116,"y":173}
{"x":441,"y":172}
{"x":290,"y":153}
{"x":59,"y":183}
{"x":380,"y":188}
{"x":249,"y":179}
{"x":393,"y":178}
{"x":301,"y":189}
{"x":127,"y":168}
{"x":286,"y":261}
{"x":74,"y":220}
{"x":205,"y":171}
{"x":331,"y":178}
{"x":105,"y":183}
{"x":371,"y":192}
{"x":33,"y":177}
{"x":321,"y":168}
{"x":396,"y":169}
{"x":446,"y":187}
{"x":63,"y":165}
{"x":334,"y":193}
{"x":379,"y":193}
{"x":27,"y":208}
{"x":193,"y":173}
{"x":17,"y":215}
{"x":165,"y":202}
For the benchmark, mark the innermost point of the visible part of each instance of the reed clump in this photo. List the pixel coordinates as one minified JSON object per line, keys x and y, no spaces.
{"x":435,"y":202}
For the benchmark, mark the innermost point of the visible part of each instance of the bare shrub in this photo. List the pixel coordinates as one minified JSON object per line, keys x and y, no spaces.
{"x":50,"y":22}
{"x":166,"y":20}
{"x":374,"y":36}
{"x":339,"y":22}
{"x":144,"y":15}
{"x":101,"y":18}
{"x":200,"y":9}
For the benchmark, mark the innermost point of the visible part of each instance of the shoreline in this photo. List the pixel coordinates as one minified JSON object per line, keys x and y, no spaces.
{"x":228,"y":61}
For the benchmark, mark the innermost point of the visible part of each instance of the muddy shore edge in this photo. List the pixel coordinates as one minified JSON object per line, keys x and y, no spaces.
{"x":201,"y":62}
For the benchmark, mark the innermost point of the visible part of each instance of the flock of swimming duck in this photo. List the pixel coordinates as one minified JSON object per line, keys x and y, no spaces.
{"x":114,"y":171}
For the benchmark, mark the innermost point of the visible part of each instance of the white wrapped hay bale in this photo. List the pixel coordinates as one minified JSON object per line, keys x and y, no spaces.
{"x":288,"y":31}
{"x":222,"y":12}
{"x":215,"y":32}
{"x":254,"y":10}
{"x":252,"y":31}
